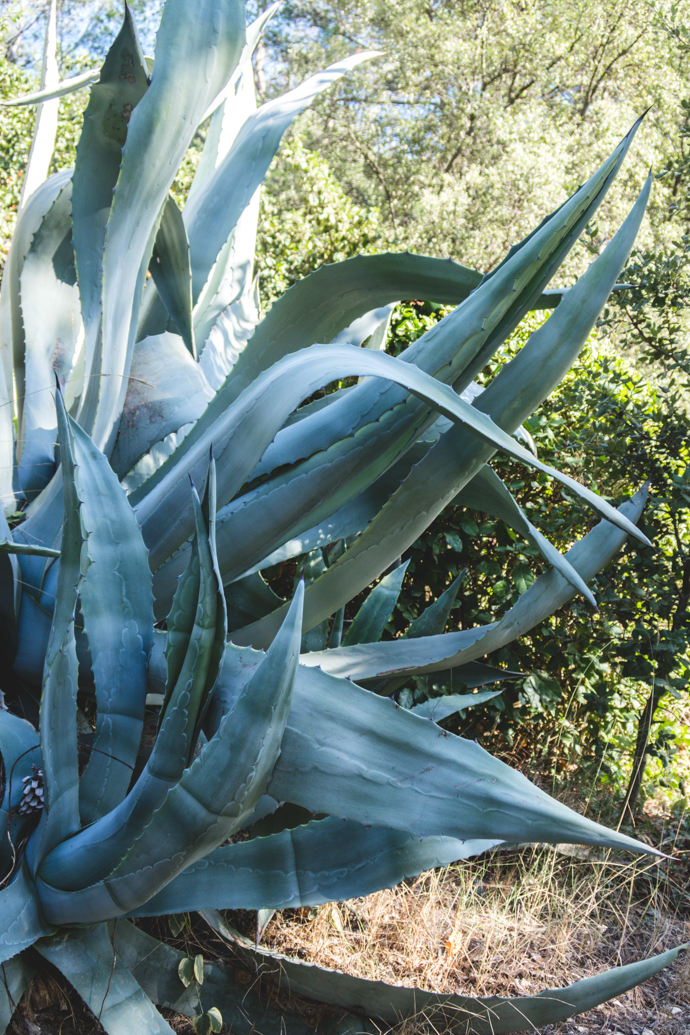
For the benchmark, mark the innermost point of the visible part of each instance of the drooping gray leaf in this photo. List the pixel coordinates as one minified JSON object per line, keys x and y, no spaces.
{"x":213,"y":211}
{"x":71,"y":85}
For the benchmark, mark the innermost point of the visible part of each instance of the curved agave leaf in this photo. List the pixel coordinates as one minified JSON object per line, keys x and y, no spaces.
{"x":320,"y":306}
{"x":492,"y":1015}
{"x":536,"y":265}
{"x":213,"y":798}
{"x":21,"y":920}
{"x":9,"y":547}
{"x":214,"y":209}
{"x":202,"y":51}
{"x":10,"y":592}
{"x":528,"y":273}
{"x":368,"y":430}
{"x":117,"y":608}
{"x":324,"y":861}
{"x":348,"y":520}
{"x":488,"y":493}
{"x":195,"y":650}
{"x":435,"y":654}
{"x":122,"y":82}
{"x":438,"y":708}
{"x":349,"y":753}
{"x":519,"y":388}
{"x":249,"y":425}
{"x":29,"y":222}
{"x":66,"y":86}
{"x":45,"y":128}
{"x":232,"y":105}
{"x":230,"y":277}
{"x":88,"y":960}
{"x":221,"y":788}
{"x":52,"y":330}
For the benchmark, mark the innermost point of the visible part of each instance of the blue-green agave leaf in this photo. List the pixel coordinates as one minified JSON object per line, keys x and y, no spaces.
{"x":323,"y":861}
{"x":493,"y":1015}
{"x":232,"y":105}
{"x":325,"y":472}
{"x":222,"y":786}
{"x":194,"y":59}
{"x":7,"y":546}
{"x":176,"y":826}
{"x":21,"y":921}
{"x":58,"y":715}
{"x":438,"y":350}
{"x":71,"y":85}
{"x":45,"y":127}
{"x":367,"y":747}
{"x":167,"y":392}
{"x":438,"y":653}
{"x":314,"y":565}
{"x":52,"y":327}
{"x":122,"y":82}
{"x":521,"y":385}
{"x":171,"y":271}
{"x":117,"y":608}
{"x":370,"y":621}
{"x":321,"y":306}
{"x":89,"y":961}
{"x":29,"y":220}
{"x":250,"y":424}
{"x":17,"y":974}
{"x":213,"y":210}
{"x":488,"y":493}
{"x":438,"y":708}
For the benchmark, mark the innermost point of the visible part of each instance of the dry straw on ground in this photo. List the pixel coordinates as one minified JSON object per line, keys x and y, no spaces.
{"x":512,"y":924}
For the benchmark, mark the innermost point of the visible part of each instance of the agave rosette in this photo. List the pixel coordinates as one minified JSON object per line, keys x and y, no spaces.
{"x":261,"y":710}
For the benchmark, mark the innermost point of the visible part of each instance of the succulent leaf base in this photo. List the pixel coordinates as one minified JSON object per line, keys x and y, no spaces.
{"x":165,"y":453}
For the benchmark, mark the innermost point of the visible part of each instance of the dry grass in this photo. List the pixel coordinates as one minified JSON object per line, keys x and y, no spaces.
{"x":512,"y":924}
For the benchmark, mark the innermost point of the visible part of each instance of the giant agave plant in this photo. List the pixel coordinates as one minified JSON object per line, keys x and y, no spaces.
{"x":155,"y":373}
